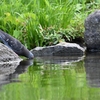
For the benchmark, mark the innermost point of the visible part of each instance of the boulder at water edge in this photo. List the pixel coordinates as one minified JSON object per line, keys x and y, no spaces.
{"x":61,"y":49}
{"x":7,"y":55}
{"x":92,"y":31}
{"x":9,"y":61}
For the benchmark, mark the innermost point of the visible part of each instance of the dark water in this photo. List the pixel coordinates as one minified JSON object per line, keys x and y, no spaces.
{"x":52,"y":78}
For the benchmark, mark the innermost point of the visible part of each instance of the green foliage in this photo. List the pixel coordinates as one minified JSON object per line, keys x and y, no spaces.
{"x":39,"y":22}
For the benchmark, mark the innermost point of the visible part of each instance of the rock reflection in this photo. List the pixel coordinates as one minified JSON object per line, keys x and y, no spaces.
{"x":59,"y":60}
{"x":92,"y":66}
{"x":9,"y":72}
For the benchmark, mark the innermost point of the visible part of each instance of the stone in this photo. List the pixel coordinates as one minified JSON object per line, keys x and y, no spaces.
{"x":9,"y":61}
{"x":15,"y":45}
{"x":61,"y":49}
{"x":92,"y":31}
{"x":7,"y":55}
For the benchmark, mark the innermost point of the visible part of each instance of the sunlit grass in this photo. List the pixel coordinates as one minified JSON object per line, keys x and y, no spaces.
{"x":39,"y":22}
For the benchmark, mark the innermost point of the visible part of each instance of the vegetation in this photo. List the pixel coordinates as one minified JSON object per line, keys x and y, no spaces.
{"x":45,"y":22}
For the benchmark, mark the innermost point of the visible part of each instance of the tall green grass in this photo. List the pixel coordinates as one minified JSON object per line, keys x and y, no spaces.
{"x":41,"y":22}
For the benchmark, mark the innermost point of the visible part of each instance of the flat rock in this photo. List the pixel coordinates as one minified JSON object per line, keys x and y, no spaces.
{"x":61,"y":49}
{"x":92,"y":31}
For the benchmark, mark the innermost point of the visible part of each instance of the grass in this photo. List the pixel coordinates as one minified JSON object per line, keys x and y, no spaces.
{"x":44,"y":22}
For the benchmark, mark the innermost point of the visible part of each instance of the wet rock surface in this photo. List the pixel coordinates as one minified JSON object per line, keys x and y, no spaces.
{"x":92,"y":31}
{"x":61,"y":49}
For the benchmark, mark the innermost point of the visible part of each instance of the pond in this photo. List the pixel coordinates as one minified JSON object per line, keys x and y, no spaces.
{"x":53,"y":78}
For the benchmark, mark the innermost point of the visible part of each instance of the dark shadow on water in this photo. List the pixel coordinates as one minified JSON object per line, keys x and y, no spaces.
{"x":12,"y":76}
{"x":21,"y":68}
{"x":92,"y":66}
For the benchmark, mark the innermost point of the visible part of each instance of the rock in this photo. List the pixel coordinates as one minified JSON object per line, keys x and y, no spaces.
{"x":92,"y":31}
{"x":61,"y":49}
{"x":7,"y":55}
{"x":15,"y":45}
{"x":9,"y":61}
{"x":8,"y":68}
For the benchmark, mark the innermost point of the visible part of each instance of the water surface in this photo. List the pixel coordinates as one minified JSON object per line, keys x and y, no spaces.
{"x":53,"y":78}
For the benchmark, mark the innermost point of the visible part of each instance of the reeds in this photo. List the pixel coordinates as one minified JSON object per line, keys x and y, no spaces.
{"x":38,"y":22}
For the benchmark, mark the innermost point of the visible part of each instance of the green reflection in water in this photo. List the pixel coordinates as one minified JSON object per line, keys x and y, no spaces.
{"x":51,"y":82}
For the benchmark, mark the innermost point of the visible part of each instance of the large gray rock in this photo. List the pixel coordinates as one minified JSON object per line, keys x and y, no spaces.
{"x":9,"y":61}
{"x":92,"y":31}
{"x":7,"y":55}
{"x":61,"y":49}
